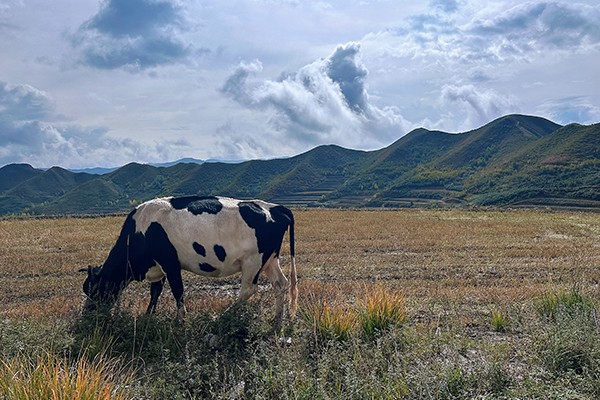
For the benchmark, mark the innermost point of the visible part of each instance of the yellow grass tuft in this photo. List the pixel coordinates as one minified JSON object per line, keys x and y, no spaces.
{"x":53,"y":378}
{"x":499,"y":320}
{"x":380,"y":309}
{"x":327,"y":318}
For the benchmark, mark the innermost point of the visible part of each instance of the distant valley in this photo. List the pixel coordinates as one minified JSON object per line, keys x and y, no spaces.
{"x":515,"y":161}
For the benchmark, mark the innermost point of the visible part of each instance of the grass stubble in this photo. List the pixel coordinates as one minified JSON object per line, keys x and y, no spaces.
{"x":394,"y":304}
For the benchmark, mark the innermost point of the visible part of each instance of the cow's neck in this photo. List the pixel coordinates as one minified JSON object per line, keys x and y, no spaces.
{"x":116,"y":268}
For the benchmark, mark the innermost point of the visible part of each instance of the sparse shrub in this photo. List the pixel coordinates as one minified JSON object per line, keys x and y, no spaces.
{"x":379,"y":310}
{"x":495,"y":379}
{"x":33,"y":337}
{"x":98,"y":342}
{"x":237,"y":328}
{"x":50,"y":377}
{"x":147,"y":337}
{"x":456,"y":383}
{"x":547,"y":305}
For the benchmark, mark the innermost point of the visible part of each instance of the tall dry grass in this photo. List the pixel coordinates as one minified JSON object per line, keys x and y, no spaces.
{"x":39,"y":259}
{"x":380,"y":309}
{"x":49,"y":377}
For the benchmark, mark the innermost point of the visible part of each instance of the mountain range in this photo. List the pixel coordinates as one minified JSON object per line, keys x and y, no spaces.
{"x":515,"y":160}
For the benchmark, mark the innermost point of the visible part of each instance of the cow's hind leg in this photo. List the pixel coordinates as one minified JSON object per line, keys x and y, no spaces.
{"x":280,"y":285}
{"x":155,"y":291}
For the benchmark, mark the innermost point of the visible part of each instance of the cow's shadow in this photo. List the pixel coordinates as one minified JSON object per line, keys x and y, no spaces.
{"x":233,"y":333}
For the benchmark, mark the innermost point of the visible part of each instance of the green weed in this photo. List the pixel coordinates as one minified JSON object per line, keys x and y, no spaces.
{"x":571,"y":343}
{"x":499,"y":321}
{"x":571,"y":301}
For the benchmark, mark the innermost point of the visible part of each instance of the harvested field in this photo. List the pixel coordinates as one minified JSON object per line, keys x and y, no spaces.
{"x":471,"y":283}
{"x":465,"y":257}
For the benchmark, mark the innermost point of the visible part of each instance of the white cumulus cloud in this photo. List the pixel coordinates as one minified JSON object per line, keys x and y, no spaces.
{"x":326,"y":101}
{"x":480,"y":105}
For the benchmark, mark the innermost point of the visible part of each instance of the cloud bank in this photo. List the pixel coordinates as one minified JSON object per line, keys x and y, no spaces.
{"x":326,"y":101}
{"x":520,"y":33}
{"x":532,"y":27}
{"x":451,"y":65}
{"x":135,"y":34}
{"x":471,"y":70}
{"x":31,"y":131}
{"x":566,"y":110}
{"x":479,"y":105}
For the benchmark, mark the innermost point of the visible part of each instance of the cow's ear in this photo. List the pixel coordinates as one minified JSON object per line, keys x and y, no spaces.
{"x":89,"y":269}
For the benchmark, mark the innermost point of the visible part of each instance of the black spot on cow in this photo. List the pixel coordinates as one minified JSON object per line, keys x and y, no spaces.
{"x":197,"y":205}
{"x":269,"y":232}
{"x":206,"y":267}
{"x":161,"y":248}
{"x":252,"y":214}
{"x":220,"y":252}
{"x":198,"y":248}
{"x":151,"y":247}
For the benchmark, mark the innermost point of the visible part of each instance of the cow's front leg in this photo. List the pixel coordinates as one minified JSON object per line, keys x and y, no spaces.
{"x":176,"y":284}
{"x":247,"y":288}
{"x":249,"y":284}
{"x":155,"y":291}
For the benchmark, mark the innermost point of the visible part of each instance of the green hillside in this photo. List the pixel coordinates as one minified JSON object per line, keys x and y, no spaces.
{"x":14,"y":174}
{"x":48,"y":185}
{"x":515,"y":160}
{"x":98,"y":196}
{"x":385,"y":166}
{"x":496,"y":140}
{"x":315,"y":174}
{"x":442,"y":177}
{"x":560,"y":169}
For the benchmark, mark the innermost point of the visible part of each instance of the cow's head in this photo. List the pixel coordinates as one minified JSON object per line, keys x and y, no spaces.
{"x":100,"y":292}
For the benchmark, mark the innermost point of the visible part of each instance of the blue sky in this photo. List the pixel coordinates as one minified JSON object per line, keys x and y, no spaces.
{"x":103,"y":83}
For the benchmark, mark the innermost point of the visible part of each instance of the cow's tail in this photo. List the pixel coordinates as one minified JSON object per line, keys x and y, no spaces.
{"x":293,"y":275}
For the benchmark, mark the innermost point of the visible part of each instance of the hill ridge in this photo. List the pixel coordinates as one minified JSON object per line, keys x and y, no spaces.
{"x":514,"y":160}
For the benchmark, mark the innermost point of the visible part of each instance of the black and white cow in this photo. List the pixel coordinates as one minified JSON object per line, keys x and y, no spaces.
{"x":209,"y":236}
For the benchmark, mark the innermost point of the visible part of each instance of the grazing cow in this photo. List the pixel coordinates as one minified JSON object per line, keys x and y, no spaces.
{"x":209,"y":236}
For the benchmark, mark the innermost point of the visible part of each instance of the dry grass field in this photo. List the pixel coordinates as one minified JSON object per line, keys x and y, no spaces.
{"x":470,"y":282}
{"x":466,"y":258}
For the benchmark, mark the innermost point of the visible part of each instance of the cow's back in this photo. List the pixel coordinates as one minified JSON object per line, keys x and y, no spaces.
{"x":209,"y":233}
